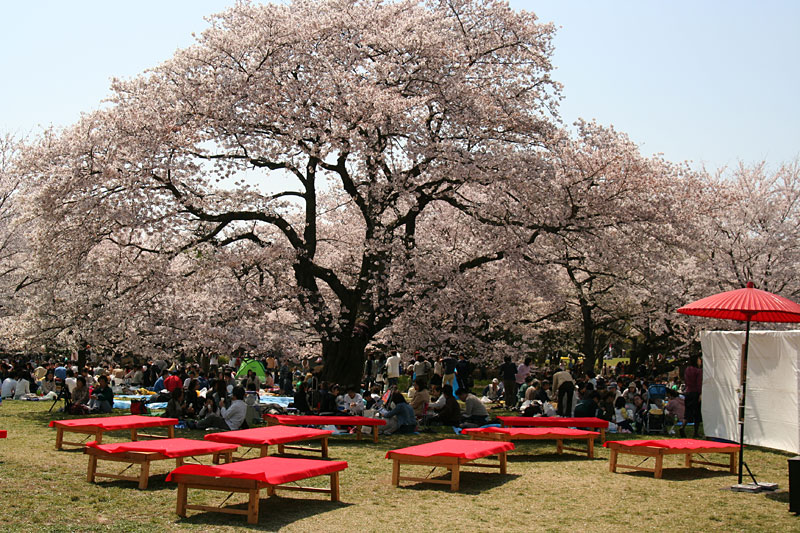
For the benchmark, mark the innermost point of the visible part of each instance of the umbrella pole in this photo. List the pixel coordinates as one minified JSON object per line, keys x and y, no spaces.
{"x":742,"y":402}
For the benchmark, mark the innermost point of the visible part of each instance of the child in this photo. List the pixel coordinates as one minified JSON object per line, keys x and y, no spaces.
{"x":675,"y":411}
{"x":621,"y":417}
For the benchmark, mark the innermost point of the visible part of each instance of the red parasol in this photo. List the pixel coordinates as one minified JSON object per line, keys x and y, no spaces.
{"x":746,"y":305}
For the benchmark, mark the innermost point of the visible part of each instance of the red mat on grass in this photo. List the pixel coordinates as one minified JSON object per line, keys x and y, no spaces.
{"x":166,"y":447}
{"x":674,"y":444}
{"x":534,"y":432}
{"x":111,"y":423}
{"x":272,"y":470}
{"x":268,"y":435}
{"x":464,"y":449}
{"x":309,"y":420}
{"x":553,"y":421}
{"x":3,"y":433}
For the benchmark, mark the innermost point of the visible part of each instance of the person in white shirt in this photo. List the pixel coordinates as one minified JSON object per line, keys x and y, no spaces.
{"x":352,"y":402}
{"x":7,"y":390}
{"x":231,"y":417}
{"x":393,"y":369}
{"x":23,"y":387}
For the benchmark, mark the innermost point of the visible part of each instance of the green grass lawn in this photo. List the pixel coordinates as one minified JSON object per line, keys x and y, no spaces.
{"x":46,"y":490}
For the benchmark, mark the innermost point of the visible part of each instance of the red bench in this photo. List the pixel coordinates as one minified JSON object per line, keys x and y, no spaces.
{"x":263,"y":438}
{"x":97,"y":426}
{"x":145,"y":452}
{"x":659,"y":448}
{"x":250,"y":477}
{"x":556,"y":422}
{"x":557,"y":434}
{"x":451,"y":454}
{"x":311,"y":420}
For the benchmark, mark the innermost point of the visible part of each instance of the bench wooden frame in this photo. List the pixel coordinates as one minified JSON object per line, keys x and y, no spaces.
{"x":141,"y":458}
{"x":589,"y":450}
{"x":534,"y":422}
{"x":250,"y":487}
{"x":659,"y":453}
{"x":264,"y":448}
{"x":273,"y":422}
{"x":97,"y":432}
{"x":453,"y":464}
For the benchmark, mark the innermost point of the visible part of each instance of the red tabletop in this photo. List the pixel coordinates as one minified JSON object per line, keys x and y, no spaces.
{"x":310,"y":420}
{"x":533,"y":432}
{"x":553,"y":421}
{"x":674,"y":444}
{"x":464,"y":449}
{"x":272,"y":470}
{"x":166,"y":447}
{"x":111,"y":423}
{"x":267,"y":435}
{"x":3,"y":433}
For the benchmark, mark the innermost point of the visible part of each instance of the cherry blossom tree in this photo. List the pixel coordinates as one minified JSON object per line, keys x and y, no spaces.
{"x":391,"y":106}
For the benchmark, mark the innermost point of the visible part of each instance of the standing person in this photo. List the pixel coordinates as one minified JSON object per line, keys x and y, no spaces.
{"x":393,"y":364}
{"x":522,"y":371}
{"x":508,"y":372}
{"x":449,"y":370}
{"x":564,"y":386}
{"x":693,"y":377}
{"x":464,"y":372}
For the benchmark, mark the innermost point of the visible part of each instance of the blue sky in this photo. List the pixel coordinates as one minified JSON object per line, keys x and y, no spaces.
{"x":709,"y":81}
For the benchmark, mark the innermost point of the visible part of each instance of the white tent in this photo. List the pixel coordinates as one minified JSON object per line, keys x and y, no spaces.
{"x":772,"y":414}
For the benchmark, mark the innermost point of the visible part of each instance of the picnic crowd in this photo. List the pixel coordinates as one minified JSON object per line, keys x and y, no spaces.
{"x":216,"y":398}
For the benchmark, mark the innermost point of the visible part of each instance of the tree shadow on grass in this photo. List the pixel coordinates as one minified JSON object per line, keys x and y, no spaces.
{"x":274,"y":513}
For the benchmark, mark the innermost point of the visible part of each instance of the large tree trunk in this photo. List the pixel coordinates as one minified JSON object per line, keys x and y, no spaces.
{"x":343,"y":361}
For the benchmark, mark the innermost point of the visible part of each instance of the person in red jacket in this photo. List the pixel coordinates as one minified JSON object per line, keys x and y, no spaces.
{"x":173,"y":382}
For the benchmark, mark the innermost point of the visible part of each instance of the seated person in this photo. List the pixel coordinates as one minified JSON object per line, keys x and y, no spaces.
{"x":351,"y":402}
{"x":401,"y":418}
{"x":80,"y":397}
{"x":475,"y":413}
{"x":449,"y":412}
{"x":588,"y":406}
{"x":301,"y":399}
{"x":493,"y":392}
{"x":48,"y":383}
{"x":622,"y":418}
{"x":230,"y":417}
{"x":373,"y":400}
{"x":676,"y":411}
{"x":102,"y":398}
{"x":175,"y":407}
{"x":23,"y":386}
{"x":327,"y":399}
{"x":421,"y":397}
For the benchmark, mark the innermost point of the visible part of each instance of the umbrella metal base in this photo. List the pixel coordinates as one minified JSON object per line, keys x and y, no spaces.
{"x":754,"y":487}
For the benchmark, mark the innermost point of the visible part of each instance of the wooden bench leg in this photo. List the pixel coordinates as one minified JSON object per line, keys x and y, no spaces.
{"x":98,"y":436}
{"x":252,"y":507}
{"x":59,"y":437}
{"x":92,"y":469}
{"x":688,"y":460}
{"x":264,"y":450}
{"x":590,"y":447}
{"x":145,"y":475}
{"x":396,"y":473}
{"x":171,"y":431}
{"x":134,"y":434}
{"x":612,"y":461}
{"x":455,"y":477}
{"x":182,"y":495}
{"x":335,"y":487}
{"x":659,"y":466}
{"x":358,"y":432}
{"x":733,"y":465}
{"x":324,"y":443}
{"x":375,"y":434}
{"x":280,"y":448}
{"x":559,"y":446}
{"x":503,"y":463}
